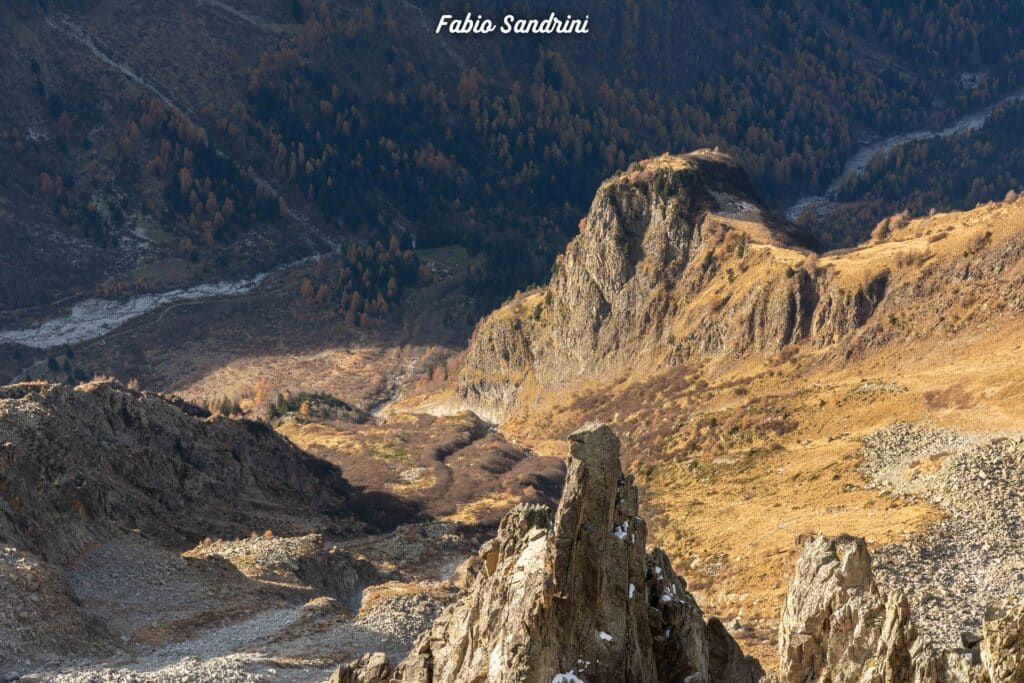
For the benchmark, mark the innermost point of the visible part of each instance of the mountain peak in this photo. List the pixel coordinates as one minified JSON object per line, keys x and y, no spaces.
{"x":662,"y":241}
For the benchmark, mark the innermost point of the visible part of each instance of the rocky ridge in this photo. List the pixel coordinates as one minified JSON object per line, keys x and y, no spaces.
{"x":81,"y":466}
{"x":839,"y":625}
{"x":677,"y":260}
{"x":572,"y":596}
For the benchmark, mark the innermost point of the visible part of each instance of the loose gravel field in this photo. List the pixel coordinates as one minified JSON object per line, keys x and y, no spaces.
{"x":973,"y":556}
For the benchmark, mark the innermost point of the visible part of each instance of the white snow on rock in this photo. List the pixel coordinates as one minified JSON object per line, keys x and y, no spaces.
{"x":567,"y":677}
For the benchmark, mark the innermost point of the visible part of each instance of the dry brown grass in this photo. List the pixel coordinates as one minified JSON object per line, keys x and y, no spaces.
{"x":738,"y":461}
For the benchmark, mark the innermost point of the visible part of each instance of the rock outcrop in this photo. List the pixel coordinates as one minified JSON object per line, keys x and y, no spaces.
{"x":678,"y":262}
{"x":574,"y":596}
{"x":1002,"y":642}
{"x":839,"y":626}
{"x":79,"y":466}
{"x":651,"y":250}
{"x":303,"y":562}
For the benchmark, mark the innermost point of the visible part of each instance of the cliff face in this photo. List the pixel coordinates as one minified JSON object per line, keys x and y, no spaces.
{"x":655,"y":273}
{"x":574,"y":596}
{"x":677,"y":262}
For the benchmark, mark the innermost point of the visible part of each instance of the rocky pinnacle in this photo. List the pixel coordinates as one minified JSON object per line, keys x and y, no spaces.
{"x":574,"y":596}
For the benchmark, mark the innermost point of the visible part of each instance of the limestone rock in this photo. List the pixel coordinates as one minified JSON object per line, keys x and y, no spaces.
{"x":575,"y":593}
{"x":1002,"y":644}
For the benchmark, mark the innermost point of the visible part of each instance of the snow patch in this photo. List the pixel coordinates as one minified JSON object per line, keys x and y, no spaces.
{"x":567,"y":677}
{"x":607,"y":637}
{"x":494,"y":667}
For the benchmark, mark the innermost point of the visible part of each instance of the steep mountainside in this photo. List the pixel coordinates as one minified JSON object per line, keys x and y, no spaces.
{"x":648,"y":277}
{"x":87,"y":465}
{"x":746,"y":374}
{"x":155,"y":145}
{"x":677,"y":264}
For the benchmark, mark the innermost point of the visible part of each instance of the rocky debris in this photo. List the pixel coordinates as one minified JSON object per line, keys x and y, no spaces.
{"x":274,"y":642}
{"x":839,"y":625}
{"x":302,"y":562}
{"x":147,"y":594}
{"x":81,"y":466}
{"x":427,"y":551}
{"x":32,"y":592}
{"x":574,"y":594}
{"x":974,"y":555}
{"x":397,"y":613}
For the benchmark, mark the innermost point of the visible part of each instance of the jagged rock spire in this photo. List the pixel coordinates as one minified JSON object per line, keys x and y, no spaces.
{"x":574,"y":596}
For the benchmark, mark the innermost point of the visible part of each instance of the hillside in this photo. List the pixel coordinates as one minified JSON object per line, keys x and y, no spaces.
{"x":154,"y":148}
{"x":82,"y":466}
{"x":141,"y":531}
{"x":748,"y":373}
{"x":678,"y":265}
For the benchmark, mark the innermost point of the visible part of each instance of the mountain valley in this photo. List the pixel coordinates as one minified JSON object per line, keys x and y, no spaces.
{"x":337,"y":349}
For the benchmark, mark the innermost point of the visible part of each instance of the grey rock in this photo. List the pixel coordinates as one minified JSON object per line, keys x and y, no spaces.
{"x":370,"y":668}
{"x":1002,"y":644}
{"x":575,"y":593}
{"x":839,"y":626}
